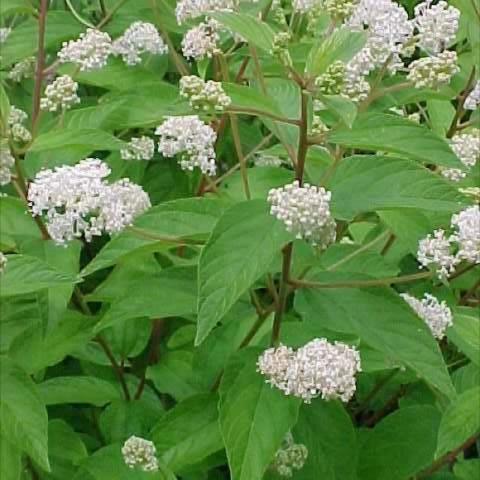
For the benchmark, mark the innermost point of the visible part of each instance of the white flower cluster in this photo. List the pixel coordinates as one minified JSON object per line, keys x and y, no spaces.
{"x":191,"y":139}
{"x":435,"y":314}
{"x":203,"y":95}
{"x":433,"y":72}
{"x":436,"y":24}
{"x":201,"y":41}
{"x":89,"y":52}
{"x":444,"y":252}
{"x":17,"y":130}
{"x":3,"y":262}
{"x":6,"y":163}
{"x":473,"y":100}
{"x":4,"y":33}
{"x":319,"y":368}
{"x":78,"y":201}
{"x":305,"y":211}
{"x":466,"y":147}
{"x":187,"y":9}
{"x":266,"y":160}
{"x":289,"y":457}
{"x":139,"y":38}
{"x":21,"y":70}
{"x":139,"y":148}
{"x":141,"y":453}
{"x":61,"y":94}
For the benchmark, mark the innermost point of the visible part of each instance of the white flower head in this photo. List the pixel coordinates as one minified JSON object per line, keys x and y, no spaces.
{"x":139,"y":148}
{"x":466,"y":147}
{"x":433,"y":72}
{"x":201,"y":41}
{"x":203,"y":95}
{"x":473,"y":100}
{"x":466,"y":226}
{"x":434,"y":313}
{"x":90,"y":51}
{"x":17,"y":131}
{"x":77,"y":201}
{"x":188,"y":9}
{"x":22,"y":69}
{"x":305,"y":211}
{"x":437,"y":25}
{"x":436,"y":250}
{"x":140,"y":453}
{"x":191,"y":139}
{"x":6,"y":164}
{"x":319,"y":368}
{"x":139,"y":38}
{"x":61,"y":94}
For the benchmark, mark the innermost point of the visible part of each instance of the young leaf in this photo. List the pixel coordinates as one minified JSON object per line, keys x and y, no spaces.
{"x":241,"y":248}
{"x":254,"y":417}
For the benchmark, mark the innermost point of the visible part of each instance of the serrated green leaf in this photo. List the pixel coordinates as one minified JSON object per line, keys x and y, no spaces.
{"x":254,"y":417}
{"x":367,"y":183}
{"x":240,"y":249}
{"x":460,"y":421}
{"x":188,"y":433}
{"x":393,"y":134}
{"x":22,"y":413}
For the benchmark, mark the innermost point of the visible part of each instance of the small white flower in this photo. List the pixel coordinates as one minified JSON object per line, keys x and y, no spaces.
{"x":433,"y":72}
{"x":473,"y":100}
{"x":305,"y":211}
{"x":437,"y":25}
{"x":61,"y":94}
{"x":201,"y":41}
{"x":466,"y":147}
{"x":319,"y":368}
{"x":3,"y":262}
{"x":139,"y":38}
{"x":435,"y":314}
{"x":78,"y":201}
{"x":139,"y":148}
{"x":466,"y":226}
{"x":436,"y":250}
{"x":90,"y":51}
{"x":203,"y":95}
{"x":141,"y":453}
{"x":191,"y":139}
{"x":188,"y":9}
{"x":266,"y":160}
{"x":21,"y":70}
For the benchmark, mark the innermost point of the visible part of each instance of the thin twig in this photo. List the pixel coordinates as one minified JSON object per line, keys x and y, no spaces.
{"x":464,"y":300}
{"x":37,"y":89}
{"x":241,"y":159}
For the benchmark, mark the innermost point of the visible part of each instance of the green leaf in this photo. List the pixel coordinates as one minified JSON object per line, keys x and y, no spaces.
{"x":34,"y":350}
{"x":400,"y":445}
{"x":95,"y":139}
{"x":175,"y":295}
{"x":174,"y":375}
{"x":460,"y":421}
{"x":188,"y":433}
{"x":400,"y":335}
{"x":465,"y":333}
{"x":241,"y":248}
{"x":4,"y":110}
{"x":367,"y":183}
{"x":326,"y":452}
{"x":254,"y":417}
{"x":251,"y":28}
{"x":467,"y":469}
{"x":342,"y":45}
{"x":25,"y":274}
{"x":108,"y":464}
{"x":11,"y":464}
{"x":80,"y":389}
{"x":10,"y":7}
{"x":16,"y":223}
{"x":341,"y":108}
{"x":394,"y":134}
{"x":23,"y":40}
{"x":22,"y":413}
{"x":184,"y":218}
